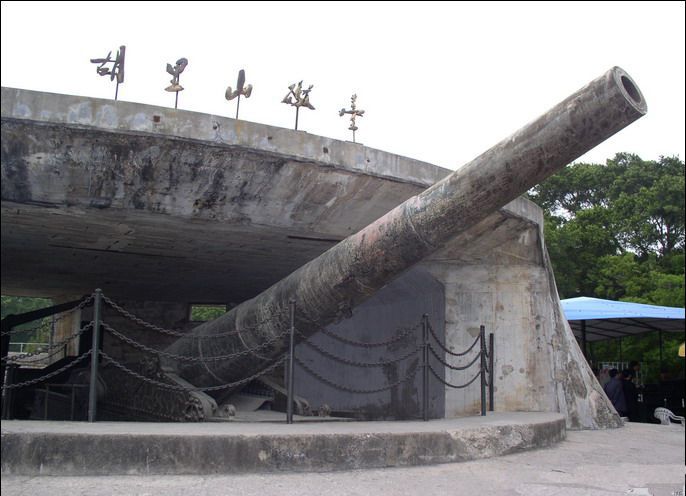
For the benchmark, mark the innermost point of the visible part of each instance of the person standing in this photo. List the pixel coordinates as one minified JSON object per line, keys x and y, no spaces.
{"x":630,"y":395}
{"x":614,"y":390}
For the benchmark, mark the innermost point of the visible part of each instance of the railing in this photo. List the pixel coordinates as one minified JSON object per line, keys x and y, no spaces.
{"x":431,"y":344}
{"x":484,"y":356}
{"x":43,"y":355}
{"x":27,"y":347}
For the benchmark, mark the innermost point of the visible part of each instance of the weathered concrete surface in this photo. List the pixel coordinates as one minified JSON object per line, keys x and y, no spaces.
{"x":192,"y":208}
{"x":639,"y":459}
{"x":497,"y":275}
{"x":500,"y":276}
{"x":105,"y":448}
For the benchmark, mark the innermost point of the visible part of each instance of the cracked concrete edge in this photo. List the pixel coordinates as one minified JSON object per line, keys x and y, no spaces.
{"x":131,"y":117}
{"x":73,"y":454}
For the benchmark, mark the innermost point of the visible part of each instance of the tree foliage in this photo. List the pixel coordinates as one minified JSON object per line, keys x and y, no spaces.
{"x":16,"y":305}
{"x":616,"y":231}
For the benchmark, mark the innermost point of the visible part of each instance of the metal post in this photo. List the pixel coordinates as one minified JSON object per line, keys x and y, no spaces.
{"x":47,"y":398}
{"x":425,"y":367}
{"x":291,"y":350}
{"x":297,"y":109}
{"x":92,"y":395}
{"x":490,"y":372}
{"x":8,"y":379}
{"x":482,"y":339}
{"x":238,"y":105}
{"x":116,"y":91}
{"x":73,"y":401}
{"x":176,"y":100}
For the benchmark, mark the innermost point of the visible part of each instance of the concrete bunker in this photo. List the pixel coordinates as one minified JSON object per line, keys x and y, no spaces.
{"x":120,"y":191}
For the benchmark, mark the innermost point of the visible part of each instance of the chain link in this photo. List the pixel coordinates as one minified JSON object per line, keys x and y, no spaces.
{"x":449,"y":352}
{"x":184,"y":358}
{"x":48,"y":376}
{"x":478,"y":355}
{"x":354,"y":363}
{"x":349,"y":389}
{"x":182,"y":388}
{"x":181,"y":334}
{"x":453,"y":385}
{"x":30,"y":329}
{"x":59,"y":344}
{"x":61,"y":315}
{"x":399,"y":337}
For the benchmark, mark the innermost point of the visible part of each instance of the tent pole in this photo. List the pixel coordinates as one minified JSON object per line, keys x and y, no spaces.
{"x":583,"y":339}
{"x":620,"y":349}
{"x":659,"y":333}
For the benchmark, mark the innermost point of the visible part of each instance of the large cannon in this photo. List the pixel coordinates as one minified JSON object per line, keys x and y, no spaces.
{"x":328,"y":287}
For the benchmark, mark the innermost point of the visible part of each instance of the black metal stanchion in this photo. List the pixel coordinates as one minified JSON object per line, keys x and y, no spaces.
{"x":92,"y":395}
{"x":47,"y":400}
{"x":7,"y":381}
{"x":482,"y":339}
{"x":491,"y":372}
{"x":291,"y":351}
{"x":425,"y":366}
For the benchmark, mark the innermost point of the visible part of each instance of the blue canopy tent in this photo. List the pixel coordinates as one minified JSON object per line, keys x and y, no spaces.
{"x":593,"y":319}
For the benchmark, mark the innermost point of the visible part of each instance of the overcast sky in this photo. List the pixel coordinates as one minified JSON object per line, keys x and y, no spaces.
{"x":440,"y":82}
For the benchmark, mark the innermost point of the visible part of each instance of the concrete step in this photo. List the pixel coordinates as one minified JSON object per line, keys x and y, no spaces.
{"x":135,"y":448}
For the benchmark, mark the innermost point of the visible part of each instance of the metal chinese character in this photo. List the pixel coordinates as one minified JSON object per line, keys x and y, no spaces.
{"x":117,"y":69}
{"x":301,"y":96}
{"x":353,"y":114}
{"x":240,"y":90}
{"x":176,"y":72}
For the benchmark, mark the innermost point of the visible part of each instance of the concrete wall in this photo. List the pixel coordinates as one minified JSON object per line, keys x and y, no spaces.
{"x":510,"y":289}
{"x":398,"y":306}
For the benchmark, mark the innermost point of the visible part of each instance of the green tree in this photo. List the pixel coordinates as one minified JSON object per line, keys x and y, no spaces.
{"x":616,"y":231}
{"x":37,"y":331}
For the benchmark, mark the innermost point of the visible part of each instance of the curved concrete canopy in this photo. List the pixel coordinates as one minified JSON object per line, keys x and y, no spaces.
{"x":156,"y":203}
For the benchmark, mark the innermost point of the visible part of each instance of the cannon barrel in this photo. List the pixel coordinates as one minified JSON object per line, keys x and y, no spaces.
{"x":328,"y":287}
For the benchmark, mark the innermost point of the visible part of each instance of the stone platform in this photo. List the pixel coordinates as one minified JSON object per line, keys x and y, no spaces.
{"x":128,"y":448}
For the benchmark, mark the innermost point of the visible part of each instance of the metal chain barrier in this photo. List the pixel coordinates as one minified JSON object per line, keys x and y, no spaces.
{"x":476,"y":376}
{"x":183,"y":358}
{"x":399,"y":337}
{"x":61,"y":315}
{"x":349,"y":389}
{"x":477,"y":357}
{"x":484,"y":356}
{"x":354,"y":363}
{"x":241,"y":382}
{"x":30,"y":329}
{"x":159,"y":381}
{"x":59,"y":344}
{"x":48,"y":376}
{"x":181,"y":334}
{"x":449,"y":352}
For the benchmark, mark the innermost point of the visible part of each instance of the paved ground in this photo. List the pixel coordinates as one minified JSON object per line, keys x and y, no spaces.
{"x":639,"y":459}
